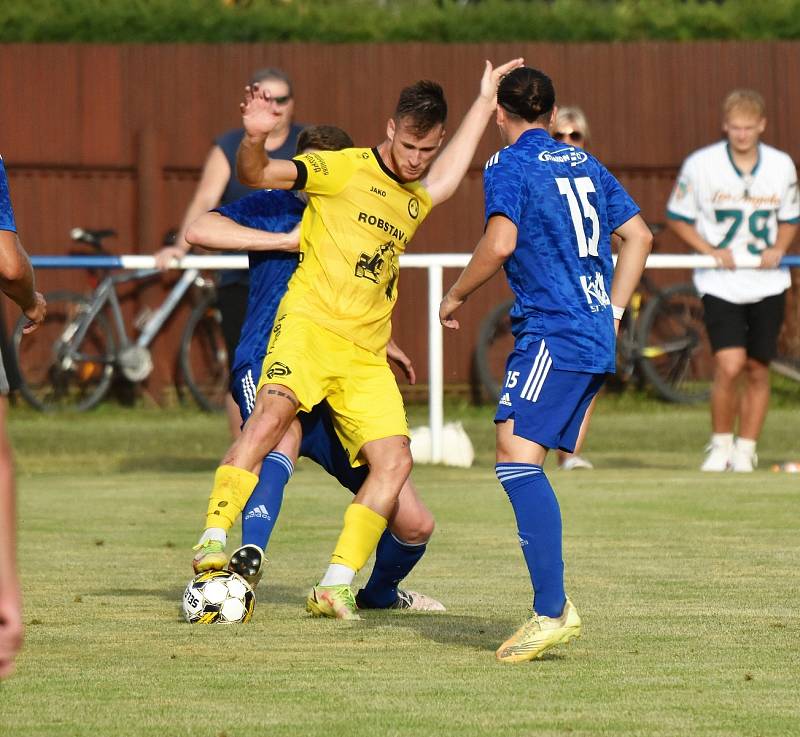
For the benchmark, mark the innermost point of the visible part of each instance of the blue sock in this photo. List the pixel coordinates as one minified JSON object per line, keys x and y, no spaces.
{"x":394,"y":560}
{"x":261,"y":511}
{"x":539,"y":527}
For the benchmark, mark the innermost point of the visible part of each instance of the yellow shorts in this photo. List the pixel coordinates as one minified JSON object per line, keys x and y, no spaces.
{"x":359,"y":386}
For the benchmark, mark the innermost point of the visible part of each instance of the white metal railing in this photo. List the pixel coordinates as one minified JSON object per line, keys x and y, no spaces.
{"x":435,"y":263}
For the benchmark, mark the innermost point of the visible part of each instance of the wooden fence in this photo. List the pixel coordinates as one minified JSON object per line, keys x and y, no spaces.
{"x":114,"y":136}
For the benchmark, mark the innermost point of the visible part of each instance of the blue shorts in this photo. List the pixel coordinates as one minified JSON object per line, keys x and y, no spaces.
{"x":546,"y":404}
{"x":320,"y":442}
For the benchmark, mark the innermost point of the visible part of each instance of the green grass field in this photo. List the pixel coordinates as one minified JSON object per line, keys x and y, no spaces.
{"x":687,"y":585}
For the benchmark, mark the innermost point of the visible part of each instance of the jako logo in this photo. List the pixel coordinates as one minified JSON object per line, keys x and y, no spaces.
{"x":278,"y":369}
{"x":569,"y":155}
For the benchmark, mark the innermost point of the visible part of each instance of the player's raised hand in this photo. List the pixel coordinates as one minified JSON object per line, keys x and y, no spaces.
{"x":259,"y":116}
{"x":492,"y":76}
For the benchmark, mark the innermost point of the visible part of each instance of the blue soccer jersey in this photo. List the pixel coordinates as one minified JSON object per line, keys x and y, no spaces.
{"x":6,"y":211}
{"x":275,"y":211}
{"x":565,"y":205}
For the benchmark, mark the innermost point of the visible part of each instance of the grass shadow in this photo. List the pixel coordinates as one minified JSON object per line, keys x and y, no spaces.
{"x":474,"y":633}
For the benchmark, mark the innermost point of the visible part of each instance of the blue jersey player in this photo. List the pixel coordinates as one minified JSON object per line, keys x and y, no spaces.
{"x":550,"y":212}
{"x":264,"y":224}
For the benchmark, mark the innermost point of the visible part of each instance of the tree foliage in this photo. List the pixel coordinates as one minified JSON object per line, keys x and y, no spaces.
{"x":348,"y":21}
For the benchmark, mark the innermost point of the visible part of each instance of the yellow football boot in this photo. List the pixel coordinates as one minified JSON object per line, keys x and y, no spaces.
{"x":539,"y":634}
{"x":210,"y":556}
{"x":336,"y":602}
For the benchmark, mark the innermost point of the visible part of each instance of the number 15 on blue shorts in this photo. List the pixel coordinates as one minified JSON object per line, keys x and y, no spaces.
{"x":547,"y":404}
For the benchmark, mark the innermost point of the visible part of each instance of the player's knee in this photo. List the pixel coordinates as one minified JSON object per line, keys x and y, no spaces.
{"x":424,"y":528}
{"x":416,"y":529}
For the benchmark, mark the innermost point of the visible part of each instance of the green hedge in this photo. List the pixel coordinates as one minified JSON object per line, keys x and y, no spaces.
{"x":121,"y":21}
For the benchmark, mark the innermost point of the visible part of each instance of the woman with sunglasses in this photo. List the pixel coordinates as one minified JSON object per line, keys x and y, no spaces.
{"x":572,"y":128}
{"x":219,"y":186}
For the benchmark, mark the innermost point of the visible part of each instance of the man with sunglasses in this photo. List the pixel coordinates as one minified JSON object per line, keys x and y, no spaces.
{"x":218,"y":186}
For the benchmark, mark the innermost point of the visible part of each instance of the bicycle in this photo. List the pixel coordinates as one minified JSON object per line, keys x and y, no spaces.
{"x":70,"y":361}
{"x":661,"y":340}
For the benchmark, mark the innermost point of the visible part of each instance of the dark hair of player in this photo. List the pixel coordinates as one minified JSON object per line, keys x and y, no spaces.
{"x":423,"y":105}
{"x":323,"y":138}
{"x":261,"y":75}
{"x":527,"y":93}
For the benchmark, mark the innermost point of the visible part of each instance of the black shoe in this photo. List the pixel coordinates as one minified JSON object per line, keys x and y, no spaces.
{"x":248,"y":561}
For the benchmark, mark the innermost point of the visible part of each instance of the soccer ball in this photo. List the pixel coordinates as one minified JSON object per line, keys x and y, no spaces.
{"x":218,"y":596}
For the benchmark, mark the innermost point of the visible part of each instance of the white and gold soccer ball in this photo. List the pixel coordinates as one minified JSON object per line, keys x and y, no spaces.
{"x":221,"y":597}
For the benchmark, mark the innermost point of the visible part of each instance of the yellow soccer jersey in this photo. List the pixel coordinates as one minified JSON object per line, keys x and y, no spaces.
{"x":359,"y":219}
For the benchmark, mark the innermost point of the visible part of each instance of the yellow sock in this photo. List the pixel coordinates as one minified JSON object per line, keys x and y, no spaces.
{"x":232,"y":489}
{"x":362,"y":530}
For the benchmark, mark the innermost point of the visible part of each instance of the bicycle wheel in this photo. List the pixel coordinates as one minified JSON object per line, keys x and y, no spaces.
{"x":674,"y":352}
{"x":204,"y":357}
{"x":53,"y":378}
{"x":495,"y":342}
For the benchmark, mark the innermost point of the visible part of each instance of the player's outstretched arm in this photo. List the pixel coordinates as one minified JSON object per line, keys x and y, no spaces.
{"x":452,"y":164}
{"x":493,"y":250}
{"x":254,"y":167}
{"x":219,"y":233}
{"x":636,"y":242}
{"x":17,"y":280}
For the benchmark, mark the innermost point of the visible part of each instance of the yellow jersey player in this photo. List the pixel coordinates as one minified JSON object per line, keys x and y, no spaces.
{"x":329,"y":339}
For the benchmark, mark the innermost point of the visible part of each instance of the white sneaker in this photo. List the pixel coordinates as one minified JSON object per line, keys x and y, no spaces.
{"x":718,"y":458}
{"x":743,"y":461}
{"x":575,"y":462}
{"x":416,"y":602}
